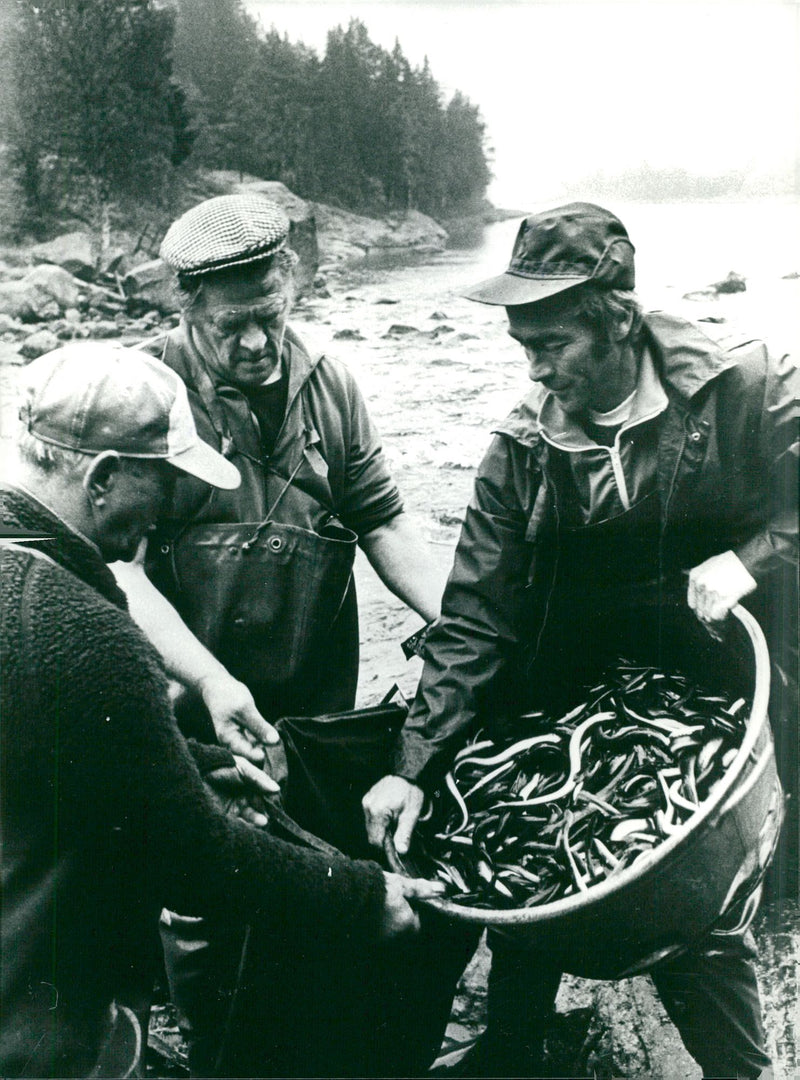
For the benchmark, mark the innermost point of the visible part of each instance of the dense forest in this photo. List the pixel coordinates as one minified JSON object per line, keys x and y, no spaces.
{"x":115,"y":100}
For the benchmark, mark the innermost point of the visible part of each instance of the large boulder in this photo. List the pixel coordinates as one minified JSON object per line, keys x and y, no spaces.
{"x":152,"y":286}
{"x":72,"y":251}
{"x":43,"y":293}
{"x":348,"y":239}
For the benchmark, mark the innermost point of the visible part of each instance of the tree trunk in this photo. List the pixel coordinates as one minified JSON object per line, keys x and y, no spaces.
{"x":102,"y":229}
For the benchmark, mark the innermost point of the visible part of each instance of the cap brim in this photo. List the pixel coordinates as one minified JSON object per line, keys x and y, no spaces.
{"x":206,"y":463}
{"x":511,"y":290}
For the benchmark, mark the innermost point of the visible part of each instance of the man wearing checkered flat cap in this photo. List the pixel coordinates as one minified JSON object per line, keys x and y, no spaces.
{"x":275,"y":633}
{"x":645,"y":486}
{"x":249,"y":594}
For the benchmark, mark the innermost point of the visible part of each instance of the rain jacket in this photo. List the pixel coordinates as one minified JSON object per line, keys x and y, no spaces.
{"x":726,"y":475}
{"x":105,"y":816}
{"x":343,"y":475}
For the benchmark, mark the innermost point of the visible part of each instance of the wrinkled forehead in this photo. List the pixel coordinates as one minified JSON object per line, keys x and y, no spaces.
{"x":245,"y":289}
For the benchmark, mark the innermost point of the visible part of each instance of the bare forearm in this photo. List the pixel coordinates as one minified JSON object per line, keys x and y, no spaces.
{"x":406,"y":565}
{"x":185,"y":657}
{"x":238,"y":723}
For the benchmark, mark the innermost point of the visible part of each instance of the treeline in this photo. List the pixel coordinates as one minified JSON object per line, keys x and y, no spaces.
{"x":647,"y":183}
{"x":113,"y":99}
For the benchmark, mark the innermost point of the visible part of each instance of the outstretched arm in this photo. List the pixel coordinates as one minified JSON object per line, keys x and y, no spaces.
{"x":405,"y":564}
{"x":237,"y":721}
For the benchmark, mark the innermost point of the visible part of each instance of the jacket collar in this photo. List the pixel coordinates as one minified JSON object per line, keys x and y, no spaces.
{"x":685,"y":360}
{"x":23,"y":511}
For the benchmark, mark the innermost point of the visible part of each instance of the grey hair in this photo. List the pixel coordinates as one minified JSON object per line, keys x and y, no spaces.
{"x":49,"y":459}
{"x":274,"y":272}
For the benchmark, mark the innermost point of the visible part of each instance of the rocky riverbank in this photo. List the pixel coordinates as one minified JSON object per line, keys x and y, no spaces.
{"x":64,"y":289}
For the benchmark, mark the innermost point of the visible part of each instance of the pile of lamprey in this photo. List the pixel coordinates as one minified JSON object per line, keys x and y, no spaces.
{"x":582,"y":797}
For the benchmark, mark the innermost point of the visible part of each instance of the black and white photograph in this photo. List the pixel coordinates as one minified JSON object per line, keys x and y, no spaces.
{"x":399,"y":470}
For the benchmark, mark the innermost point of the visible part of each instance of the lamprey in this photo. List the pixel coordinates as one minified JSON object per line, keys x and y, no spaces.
{"x":553,"y":814}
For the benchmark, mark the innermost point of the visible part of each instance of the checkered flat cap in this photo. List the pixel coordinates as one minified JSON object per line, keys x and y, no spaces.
{"x":228,"y":230}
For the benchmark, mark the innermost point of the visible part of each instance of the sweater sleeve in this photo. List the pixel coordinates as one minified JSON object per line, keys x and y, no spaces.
{"x":118,"y":740}
{"x":471,"y":642}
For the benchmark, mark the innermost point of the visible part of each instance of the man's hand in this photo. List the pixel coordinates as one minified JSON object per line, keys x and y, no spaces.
{"x":391,"y":800}
{"x":242,"y":787}
{"x":398,"y":915}
{"x":716,"y":586}
{"x":238,"y":723}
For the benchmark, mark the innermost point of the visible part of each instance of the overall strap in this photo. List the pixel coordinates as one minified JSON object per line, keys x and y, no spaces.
{"x":262,"y":525}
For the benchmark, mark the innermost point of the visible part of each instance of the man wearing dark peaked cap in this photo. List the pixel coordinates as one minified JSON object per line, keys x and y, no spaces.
{"x":647,"y":456}
{"x":250,"y":599}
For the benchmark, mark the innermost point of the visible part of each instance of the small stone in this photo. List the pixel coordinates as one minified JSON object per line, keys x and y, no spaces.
{"x":103,"y":328}
{"x":439,"y":316}
{"x":48,"y":310}
{"x":72,"y":315}
{"x":10,"y":325}
{"x":348,"y":335}
{"x":37,"y":344}
{"x":733,"y":283}
{"x":400,"y":330}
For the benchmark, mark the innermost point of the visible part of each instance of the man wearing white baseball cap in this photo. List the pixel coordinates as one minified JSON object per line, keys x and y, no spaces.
{"x":126,"y":415}
{"x":105,"y":814}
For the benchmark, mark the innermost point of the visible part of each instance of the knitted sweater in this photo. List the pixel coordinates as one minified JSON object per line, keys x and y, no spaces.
{"x":105,"y":816}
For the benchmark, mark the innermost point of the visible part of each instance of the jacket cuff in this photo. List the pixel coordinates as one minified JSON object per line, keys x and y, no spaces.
{"x":365,"y":521}
{"x":418,"y":760}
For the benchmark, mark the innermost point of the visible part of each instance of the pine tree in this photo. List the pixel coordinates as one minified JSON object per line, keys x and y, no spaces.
{"x":95,"y":109}
{"x":216,"y":42}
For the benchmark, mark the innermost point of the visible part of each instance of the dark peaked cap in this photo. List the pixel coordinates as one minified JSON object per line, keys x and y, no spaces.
{"x":558,"y":249}
{"x":228,"y":230}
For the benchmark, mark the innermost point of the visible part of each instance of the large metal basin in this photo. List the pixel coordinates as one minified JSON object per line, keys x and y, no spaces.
{"x":671,"y":897}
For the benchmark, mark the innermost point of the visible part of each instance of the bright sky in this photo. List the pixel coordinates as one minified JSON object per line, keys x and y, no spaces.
{"x":567,"y":87}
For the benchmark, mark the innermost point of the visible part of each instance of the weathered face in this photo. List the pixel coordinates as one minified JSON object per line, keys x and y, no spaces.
{"x":129,"y":507}
{"x":564,"y":356}
{"x":241,"y":323}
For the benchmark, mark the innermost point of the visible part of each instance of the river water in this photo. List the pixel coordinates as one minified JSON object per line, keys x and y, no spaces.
{"x":680,"y":248}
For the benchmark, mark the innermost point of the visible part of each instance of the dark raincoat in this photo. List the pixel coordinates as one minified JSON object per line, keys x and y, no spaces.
{"x":727,"y":478}
{"x":295,"y":647}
